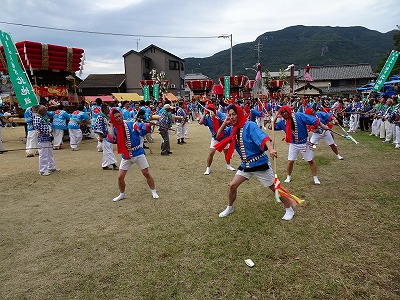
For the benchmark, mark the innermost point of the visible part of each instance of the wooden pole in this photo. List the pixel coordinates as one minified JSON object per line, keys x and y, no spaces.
{"x":291,"y":80}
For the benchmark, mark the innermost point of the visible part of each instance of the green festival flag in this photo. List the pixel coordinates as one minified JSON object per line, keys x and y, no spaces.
{"x":227,"y":87}
{"x":146,"y":93}
{"x":22,"y":86}
{"x":387,"y":68}
{"x":156,"y":91}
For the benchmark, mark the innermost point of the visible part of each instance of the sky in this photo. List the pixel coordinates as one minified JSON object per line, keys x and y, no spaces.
{"x":184,"y":28}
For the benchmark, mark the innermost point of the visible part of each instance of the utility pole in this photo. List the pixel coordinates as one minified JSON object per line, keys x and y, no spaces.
{"x":229,"y":36}
{"x":137,"y":44}
{"x":257,"y":48}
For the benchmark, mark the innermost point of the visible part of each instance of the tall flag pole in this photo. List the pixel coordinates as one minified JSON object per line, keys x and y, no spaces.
{"x":227,"y":87}
{"x":146,"y":93}
{"x":18,"y":77}
{"x":257,"y":88}
{"x":156,"y":92}
{"x":387,"y":68}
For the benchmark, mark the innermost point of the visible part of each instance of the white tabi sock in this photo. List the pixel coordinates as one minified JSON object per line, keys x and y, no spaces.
{"x":288,"y":214}
{"x":119,"y":197}
{"x":154,"y":194}
{"x":230,"y":168}
{"x":208,"y":171}
{"x":228,"y":210}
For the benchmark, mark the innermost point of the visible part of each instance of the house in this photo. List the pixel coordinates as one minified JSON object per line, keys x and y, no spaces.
{"x":335,"y":80}
{"x":138,"y":66}
{"x":102,"y":84}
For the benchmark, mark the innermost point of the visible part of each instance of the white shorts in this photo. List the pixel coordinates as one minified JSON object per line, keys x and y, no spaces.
{"x":266,"y":178}
{"x":260,"y":121}
{"x":140,"y":160}
{"x":304,"y":149}
{"x":327,"y":136}
{"x":214,"y":142}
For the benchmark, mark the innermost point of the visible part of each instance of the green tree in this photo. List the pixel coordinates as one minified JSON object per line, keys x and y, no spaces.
{"x":396,"y":68}
{"x":396,"y":38}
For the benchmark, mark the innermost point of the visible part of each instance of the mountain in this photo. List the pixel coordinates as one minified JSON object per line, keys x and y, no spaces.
{"x":298,"y":45}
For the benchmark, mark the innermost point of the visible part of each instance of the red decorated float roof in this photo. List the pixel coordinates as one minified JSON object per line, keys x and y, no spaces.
{"x":150,"y":82}
{"x":235,"y":81}
{"x":277,"y":83}
{"x":200,"y":84}
{"x":218,"y":89}
{"x":39,"y":56}
{"x":147,"y":82}
{"x":249,"y":84}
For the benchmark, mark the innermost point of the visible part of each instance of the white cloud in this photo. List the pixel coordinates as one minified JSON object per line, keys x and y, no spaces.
{"x":98,"y":65}
{"x":114,"y":5}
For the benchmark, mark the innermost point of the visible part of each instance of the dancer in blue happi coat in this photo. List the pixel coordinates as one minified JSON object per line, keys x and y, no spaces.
{"x":251,"y":143}
{"x":43,"y":127}
{"x":95,"y":111}
{"x":74,"y":127}
{"x":60,"y":118}
{"x":126,"y":134}
{"x":213,"y":120}
{"x":101,"y":128}
{"x":295,"y":127}
{"x":318,"y":133}
{"x":31,"y":135}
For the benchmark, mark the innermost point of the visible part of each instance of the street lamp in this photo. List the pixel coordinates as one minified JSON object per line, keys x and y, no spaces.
{"x":227,"y":36}
{"x":251,"y":69}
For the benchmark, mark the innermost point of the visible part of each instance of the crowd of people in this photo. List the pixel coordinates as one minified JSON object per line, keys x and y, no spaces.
{"x":239,"y":124}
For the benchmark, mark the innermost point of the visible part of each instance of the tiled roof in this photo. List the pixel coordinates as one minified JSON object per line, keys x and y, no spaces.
{"x":160,"y":49}
{"x":195,"y":76}
{"x":103,"y":81}
{"x":339,"y":72}
{"x":342,"y":89}
{"x":130,"y":52}
{"x":308,"y":86}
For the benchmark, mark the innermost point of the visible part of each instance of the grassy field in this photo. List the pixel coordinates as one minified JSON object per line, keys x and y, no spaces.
{"x":63,"y":238}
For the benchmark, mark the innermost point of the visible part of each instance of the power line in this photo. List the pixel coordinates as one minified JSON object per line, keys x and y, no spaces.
{"x":111,"y":33}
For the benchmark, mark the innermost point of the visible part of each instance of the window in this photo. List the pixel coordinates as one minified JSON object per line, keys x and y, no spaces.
{"x":335,"y":83}
{"x":173,"y":65}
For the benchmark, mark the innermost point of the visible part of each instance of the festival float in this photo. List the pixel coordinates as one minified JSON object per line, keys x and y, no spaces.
{"x":248,"y":88}
{"x":218,"y":90}
{"x":200,"y":87}
{"x":150,"y":84}
{"x":157,"y":86}
{"x":237,"y":84}
{"x":51,"y":68}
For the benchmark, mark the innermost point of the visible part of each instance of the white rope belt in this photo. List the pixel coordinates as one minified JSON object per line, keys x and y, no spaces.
{"x":248,"y":161}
